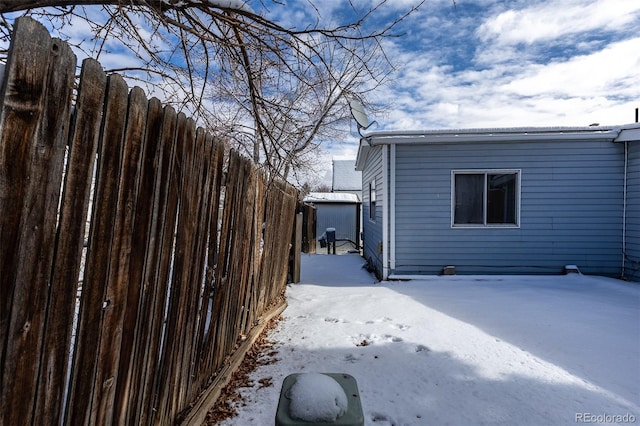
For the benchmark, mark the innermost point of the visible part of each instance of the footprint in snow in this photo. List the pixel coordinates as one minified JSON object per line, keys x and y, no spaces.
{"x":401,"y":327}
{"x":383,"y":319}
{"x":382,"y":419}
{"x":394,"y":339}
{"x":423,"y":348}
{"x":350,"y":358}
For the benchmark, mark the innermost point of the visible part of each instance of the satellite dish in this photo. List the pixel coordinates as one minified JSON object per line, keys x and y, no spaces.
{"x":357,"y":110}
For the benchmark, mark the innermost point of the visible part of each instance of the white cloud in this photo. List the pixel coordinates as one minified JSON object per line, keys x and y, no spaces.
{"x":553,"y":63}
{"x":553,"y":19}
{"x":484,"y":63}
{"x":611,"y":71}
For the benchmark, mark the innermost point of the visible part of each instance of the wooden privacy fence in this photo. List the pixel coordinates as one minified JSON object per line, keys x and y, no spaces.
{"x":130,"y":322}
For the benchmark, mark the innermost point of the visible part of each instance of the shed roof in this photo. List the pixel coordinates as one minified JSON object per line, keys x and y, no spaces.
{"x":331,"y":197}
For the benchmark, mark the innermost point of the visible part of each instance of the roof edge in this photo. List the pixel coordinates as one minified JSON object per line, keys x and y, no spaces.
{"x":363,"y":152}
{"x":495,"y":134}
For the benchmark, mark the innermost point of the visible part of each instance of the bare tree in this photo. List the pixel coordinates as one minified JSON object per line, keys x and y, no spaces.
{"x":275,"y":92}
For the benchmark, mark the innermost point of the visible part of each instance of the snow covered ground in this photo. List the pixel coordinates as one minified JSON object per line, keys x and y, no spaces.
{"x":460,"y":350}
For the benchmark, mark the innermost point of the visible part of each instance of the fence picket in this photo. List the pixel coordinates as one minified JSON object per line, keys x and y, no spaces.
{"x":208,"y":348}
{"x":43,"y":112}
{"x":117,"y":288}
{"x":203,"y":190}
{"x":69,"y":246}
{"x":155,"y":372}
{"x":92,"y":301}
{"x":19,"y":116}
{"x":129,"y":367}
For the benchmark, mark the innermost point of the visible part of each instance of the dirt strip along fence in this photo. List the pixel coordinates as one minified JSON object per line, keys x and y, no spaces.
{"x":186,"y":251}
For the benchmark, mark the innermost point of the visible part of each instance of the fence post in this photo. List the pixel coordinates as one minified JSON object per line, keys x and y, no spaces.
{"x":297,"y":247}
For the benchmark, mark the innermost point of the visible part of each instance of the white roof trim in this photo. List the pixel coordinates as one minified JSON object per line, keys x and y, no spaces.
{"x":363,"y":152}
{"x":494,"y":135}
{"x":629,"y":134}
{"x":621,"y":133}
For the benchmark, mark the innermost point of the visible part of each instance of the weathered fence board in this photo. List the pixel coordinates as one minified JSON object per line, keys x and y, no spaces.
{"x":212,"y":172}
{"x":185,"y":254}
{"x":210,"y":290}
{"x":128,"y":375}
{"x":158,"y":270}
{"x":22,"y":96}
{"x":116,"y":291}
{"x":93,"y":302}
{"x":35,"y":116}
{"x":73,"y":215}
{"x":204,"y":152}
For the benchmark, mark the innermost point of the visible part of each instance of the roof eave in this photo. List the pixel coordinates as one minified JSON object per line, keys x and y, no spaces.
{"x":629,"y":134}
{"x":363,"y":152}
{"x":435,"y":138}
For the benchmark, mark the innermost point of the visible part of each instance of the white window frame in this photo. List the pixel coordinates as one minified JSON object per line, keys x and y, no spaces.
{"x":517,"y":172}
{"x":372,"y":200}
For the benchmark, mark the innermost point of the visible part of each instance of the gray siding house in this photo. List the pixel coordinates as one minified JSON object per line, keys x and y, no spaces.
{"x":631,"y":226}
{"x":498,"y":201}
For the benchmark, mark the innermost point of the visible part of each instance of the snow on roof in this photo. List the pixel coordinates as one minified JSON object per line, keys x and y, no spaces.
{"x":345,"y":176}
{"x":331,"y":197}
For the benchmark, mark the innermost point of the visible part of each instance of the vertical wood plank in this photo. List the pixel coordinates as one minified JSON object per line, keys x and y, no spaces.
{"x":192,"y":280}
{"x":184,"y":256}
{"x":197,"y":310}
{"x":159,"y":267}
{"x":213,"y":257}
{"x":73,"y":215}
{"x":238,"y":255}
{"x":37,"y":209}
{"x":297,"y":249}
{"x":261,"y":198}
{"x":22,"y":96}
{"x":164,"y":382}
{"x":208,"y":222}
{"x":93,"y":302}
{"x":250,"y":240}
{"x":130,"y":352}
{"x":222,"y":290}
{"x":116,"y":293}
{"x":273,"y":227}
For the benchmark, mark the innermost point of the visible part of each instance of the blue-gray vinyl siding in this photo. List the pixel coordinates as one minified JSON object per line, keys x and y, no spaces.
{"x":372,"y":229}
{"x":341,"y":216}
{"x":571,"y":205}
{"x":632,"y":249}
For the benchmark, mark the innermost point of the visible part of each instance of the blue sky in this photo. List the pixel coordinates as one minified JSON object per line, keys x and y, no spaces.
{"x":482,"y":63}
{"x":490,"y":63}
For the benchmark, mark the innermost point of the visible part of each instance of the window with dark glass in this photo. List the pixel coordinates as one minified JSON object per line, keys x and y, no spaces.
{"x":485,"y":198}
{"x":372,"y":200}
